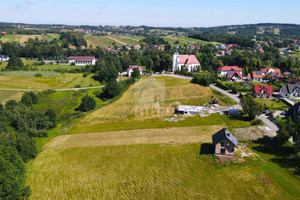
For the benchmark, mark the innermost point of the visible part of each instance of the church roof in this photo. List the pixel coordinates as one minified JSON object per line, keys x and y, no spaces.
{"x":188,"y":60}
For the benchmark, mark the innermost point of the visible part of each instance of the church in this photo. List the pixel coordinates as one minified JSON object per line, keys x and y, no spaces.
{"x":187,"y":63}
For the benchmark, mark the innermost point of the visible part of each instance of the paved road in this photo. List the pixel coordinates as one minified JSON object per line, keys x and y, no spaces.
{"x":267,"y":122}
{"x":232,"y":96}
{"x":62,"y":89}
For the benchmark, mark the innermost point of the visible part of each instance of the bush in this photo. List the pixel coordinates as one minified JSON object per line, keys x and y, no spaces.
{"x":257,"y":122}
{"x":85,"y":74}
{"x":87,"y":103}
{"x":38,"y":75}
{"x":111,"y":90}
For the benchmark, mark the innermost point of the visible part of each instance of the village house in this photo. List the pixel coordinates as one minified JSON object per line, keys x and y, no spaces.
{"x":233,"y":73}
{"x":290,"y":91}
{"x":269,"y":70}
{"x":255,"y":76}
{"x":188,"y":63}
{"x":130,"y":70}
{"x":224,"y":142}
{"x":265,"y":91}
{"x":82,"y":60}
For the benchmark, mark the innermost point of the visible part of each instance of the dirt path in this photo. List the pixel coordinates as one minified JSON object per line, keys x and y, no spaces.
{"x":180,"y":135}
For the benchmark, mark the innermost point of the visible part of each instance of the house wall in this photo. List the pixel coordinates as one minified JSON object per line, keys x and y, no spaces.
{"x":229,"y":150}
{"x":224,"y":73}
{"x":188,"y":68}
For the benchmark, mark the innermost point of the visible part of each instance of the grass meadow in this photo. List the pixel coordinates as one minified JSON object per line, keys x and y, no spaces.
{"x":26,"y":62}
{"x":10,"y":95}
{"x":146,"y":105}
{"x":24,"y":38}
{"x":273,"y":105}
{"x":152,"y":171}
{"x":65,"y":80}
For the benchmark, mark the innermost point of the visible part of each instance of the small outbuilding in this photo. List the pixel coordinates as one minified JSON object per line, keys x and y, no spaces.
{"x":224,"y":142}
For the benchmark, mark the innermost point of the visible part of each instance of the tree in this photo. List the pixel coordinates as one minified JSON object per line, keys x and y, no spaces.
{"x":87,"y":103}
{"x":136,"y":73}
{"x":26,"y":100}
{"x":51,"y":114}
{"x":251,"y":107}
{"x":34,"y":97}
{"x":15,"y":63}
{"x":111,"y":90}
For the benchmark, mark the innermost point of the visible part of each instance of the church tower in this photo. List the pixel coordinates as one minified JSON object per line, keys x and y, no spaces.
{"x":175,"y":60}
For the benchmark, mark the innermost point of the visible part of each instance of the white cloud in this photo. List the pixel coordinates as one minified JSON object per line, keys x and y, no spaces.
{"x":96,"y":10}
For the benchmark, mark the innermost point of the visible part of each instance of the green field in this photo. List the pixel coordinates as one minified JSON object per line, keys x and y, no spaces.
{"x":63,"y":81}
{"x":106,"y":41}
{"x":10,"y":95}
{"x":30,"y":73}
{"x":273,"y":105}
{"x":26,"y":62}
{"x":151,"y":171}
{"x":24,"y":38}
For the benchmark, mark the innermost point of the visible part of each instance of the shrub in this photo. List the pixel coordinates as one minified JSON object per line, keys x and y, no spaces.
{"x":38,"y":75}
{"x":87,"y":103}
{"x":257,"y":122}
{"x":111,"y":90}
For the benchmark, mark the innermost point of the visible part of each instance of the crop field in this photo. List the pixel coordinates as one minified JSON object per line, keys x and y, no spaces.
{"x":57,"y":67}
{"x":84,"y":167}
{"x":62,"y":81}
{"x":146,"y":105}
{"x":184,"y":40}
{"x":106,"y":41}
{"x":24,"y":38}
{"x":10,"y":95}
{"x":30,"y":73}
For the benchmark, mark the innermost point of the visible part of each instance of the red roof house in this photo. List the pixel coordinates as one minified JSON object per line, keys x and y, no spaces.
{"x":262,"y":91}
{"x":231,"y":72}
{"x":130,"y":69}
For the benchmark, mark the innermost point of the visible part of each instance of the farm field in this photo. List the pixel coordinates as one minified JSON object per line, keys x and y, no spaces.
{"x":10,"y":95}
{"x":147,"y":104}
{"x":73,"y":167}
{"x":26,"y":62}
{"x":184,"y":40}
{"x":30,"y":73}
{"x":106,"y":41}
{"x":24,"y":38}
{"x":62,"y":81}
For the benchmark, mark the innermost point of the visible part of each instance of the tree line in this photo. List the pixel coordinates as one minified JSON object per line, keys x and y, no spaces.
{"x":20,"y":122}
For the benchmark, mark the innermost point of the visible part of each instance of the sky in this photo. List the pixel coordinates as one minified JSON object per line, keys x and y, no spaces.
{"x":162,"y":13}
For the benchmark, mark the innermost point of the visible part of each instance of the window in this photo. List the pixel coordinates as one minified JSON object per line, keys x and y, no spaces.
{"x":222,"y":144}
{"x":222,"y":151}
{"x":228,"y":144}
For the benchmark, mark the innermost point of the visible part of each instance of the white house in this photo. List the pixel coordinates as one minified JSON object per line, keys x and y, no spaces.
{"x":188,"y":63}
{"x":130,"y":69}
{"x":225,"y":70}
{"x":82,"y":60}
{"x":191,"y":110}
{"x":4,"y":58}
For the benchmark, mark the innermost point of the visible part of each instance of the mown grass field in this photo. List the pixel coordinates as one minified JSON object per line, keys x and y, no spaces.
{"x":24,"y":38}
{"x":146,"y":105}
{"x":151,"y":171}
{"x":184,"y":40}
{"x":105,"y":41}
{"x":30,"y":73}
{"x":62,"y":81}
{"x":10,"y":95}
{"x":26,"y":62}
{"x":273,"y":105}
